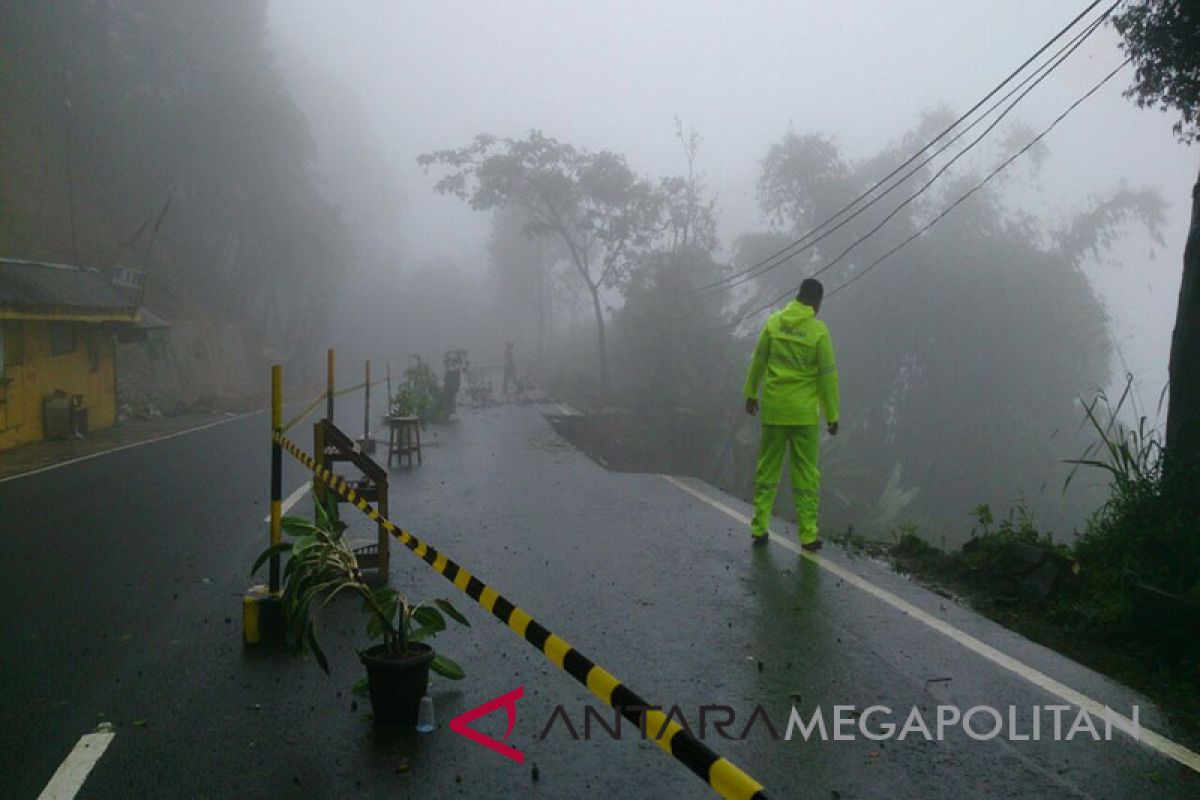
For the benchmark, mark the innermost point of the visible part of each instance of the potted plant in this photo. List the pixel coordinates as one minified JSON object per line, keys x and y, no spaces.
{"x":322,"y":566}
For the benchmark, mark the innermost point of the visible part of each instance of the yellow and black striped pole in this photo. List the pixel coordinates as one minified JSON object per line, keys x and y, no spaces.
{"x":262,"y":608}
{"x":276,"y":469}
{"x":721,"y":774}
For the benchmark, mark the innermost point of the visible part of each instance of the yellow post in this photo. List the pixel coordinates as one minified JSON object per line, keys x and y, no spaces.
{"x":276,"y":468}
{"x":262,"y":606}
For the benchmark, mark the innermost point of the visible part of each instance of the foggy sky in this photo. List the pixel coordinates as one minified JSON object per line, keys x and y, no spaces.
{"x":615,"y":75}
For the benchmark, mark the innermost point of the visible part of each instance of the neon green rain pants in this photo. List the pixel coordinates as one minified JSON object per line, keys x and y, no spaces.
{"x":802,"y":443}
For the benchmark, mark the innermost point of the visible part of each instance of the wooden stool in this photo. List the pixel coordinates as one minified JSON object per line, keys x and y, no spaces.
{"x":404,"y":438}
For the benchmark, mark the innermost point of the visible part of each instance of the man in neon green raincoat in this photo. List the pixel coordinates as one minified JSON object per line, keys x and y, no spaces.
{"x":794,"y":364}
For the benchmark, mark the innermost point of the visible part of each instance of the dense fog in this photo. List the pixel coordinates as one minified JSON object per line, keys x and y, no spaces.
{"x":315,"y":173}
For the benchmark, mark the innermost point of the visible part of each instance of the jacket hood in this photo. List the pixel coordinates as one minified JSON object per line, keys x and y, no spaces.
{"x":795,"y":312}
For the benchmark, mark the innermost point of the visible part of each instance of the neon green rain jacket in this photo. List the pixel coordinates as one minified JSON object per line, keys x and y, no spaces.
{"x":795,"y":356}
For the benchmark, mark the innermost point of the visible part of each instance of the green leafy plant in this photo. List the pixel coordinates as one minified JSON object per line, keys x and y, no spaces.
{"x":983,"y":519}
{"x":1131,"y":456}
{"x":423,"y":395}
{"x":399,"y":623}
{"x":407,"y":402}
{"x":1144,"y":533}
{"x":322,"y":566}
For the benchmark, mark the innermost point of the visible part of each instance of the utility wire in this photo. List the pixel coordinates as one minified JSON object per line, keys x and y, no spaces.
{"x":961,"y":199}
{"x":1037,"y":76}
{"x":941,"y":171}
{"x":859,"y":275}
{"x":791,"y":250}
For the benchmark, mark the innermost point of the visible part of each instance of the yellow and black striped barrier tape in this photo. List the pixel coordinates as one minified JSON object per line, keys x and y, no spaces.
{"x":721,"y":774}
{"x":291,"y":423}
{"x":353,"y":388}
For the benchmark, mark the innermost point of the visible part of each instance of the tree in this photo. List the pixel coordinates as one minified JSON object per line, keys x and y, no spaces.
{"x":1163,"y":39}
{"x":593,"y":203}
{"x":678,"y":348}
{"x":963,"y":355}
{"x":799,"y":174}
{"x":122,"y":104}
{"x":519,"y":268}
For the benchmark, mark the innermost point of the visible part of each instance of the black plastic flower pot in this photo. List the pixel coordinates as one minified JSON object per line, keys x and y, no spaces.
{"x":397,"y":683}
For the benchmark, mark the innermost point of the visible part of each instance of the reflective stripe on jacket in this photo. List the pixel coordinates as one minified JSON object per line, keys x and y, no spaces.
{"x":794,"y":363}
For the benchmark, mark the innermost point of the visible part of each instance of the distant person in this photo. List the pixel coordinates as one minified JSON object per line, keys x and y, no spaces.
{"x":794,"y":363}
{"x":510,"y":368}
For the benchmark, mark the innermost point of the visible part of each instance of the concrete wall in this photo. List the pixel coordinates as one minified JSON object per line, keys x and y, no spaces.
{"x":195,"y":362}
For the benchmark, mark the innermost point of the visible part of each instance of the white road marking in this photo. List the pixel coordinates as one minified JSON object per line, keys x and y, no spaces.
{"x":565,"y":409}
{"x":292,"y":499}
{"x":112,"y":450}
{"x":69,"y":777}
{"x":1155,"y":741}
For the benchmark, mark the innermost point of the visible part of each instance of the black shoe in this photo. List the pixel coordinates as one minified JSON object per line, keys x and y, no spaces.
{"x":812,"y":546}
{"x":758,"y":541}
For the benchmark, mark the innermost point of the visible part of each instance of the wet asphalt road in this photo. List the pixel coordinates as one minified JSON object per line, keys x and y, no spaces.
{"x":121,"y":603}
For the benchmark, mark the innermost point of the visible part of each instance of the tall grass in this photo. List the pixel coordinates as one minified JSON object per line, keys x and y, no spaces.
{"x":1131,"y":456}
{"x":1141,"y":535}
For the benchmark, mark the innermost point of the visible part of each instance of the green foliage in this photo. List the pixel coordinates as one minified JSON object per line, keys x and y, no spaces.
{"x":676,"y":352}
{"x":983,"y":517}
{"x":799,"y":174}
{"x":1015,"y":543}
{"x":970,"y":349}
{"x":1163,"y":39}
{"x":422,"y":395}
{"x":591,"y":204}
{"x":408,"y":402}
{"x":322,"y":566}
{"x":1144,"y":534}
{"x":1132,"y":457}
{"x":673,"y":356}
{"x":910,"y":545}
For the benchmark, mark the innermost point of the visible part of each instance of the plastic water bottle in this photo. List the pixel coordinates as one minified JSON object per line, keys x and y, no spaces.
{"x":425,"y":723}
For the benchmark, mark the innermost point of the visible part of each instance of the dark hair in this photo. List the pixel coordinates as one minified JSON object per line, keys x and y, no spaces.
{"x":811,"y":292}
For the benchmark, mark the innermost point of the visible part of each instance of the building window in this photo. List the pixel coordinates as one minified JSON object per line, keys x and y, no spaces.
{"x":62,"y":338}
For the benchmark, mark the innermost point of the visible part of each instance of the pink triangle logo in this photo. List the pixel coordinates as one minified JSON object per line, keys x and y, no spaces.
{"x":509,"y":702}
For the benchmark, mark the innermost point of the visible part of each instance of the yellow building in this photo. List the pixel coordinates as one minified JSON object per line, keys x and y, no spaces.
{"x":59,"y":327}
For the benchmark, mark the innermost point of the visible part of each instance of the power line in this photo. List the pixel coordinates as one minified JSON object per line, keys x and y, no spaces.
{"x":925,"y":187}
{"x":961,"y":199}
{"x":1037,"y":76}
{"x":787,"y":252}
{"x":990,"y":175}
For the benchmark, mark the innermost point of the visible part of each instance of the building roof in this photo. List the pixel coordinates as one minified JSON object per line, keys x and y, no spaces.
{"x":38,"y":290}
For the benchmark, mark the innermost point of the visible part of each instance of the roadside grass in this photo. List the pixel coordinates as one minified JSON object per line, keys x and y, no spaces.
{"x":1124,"y":598}
{"x":1139,"y":639}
